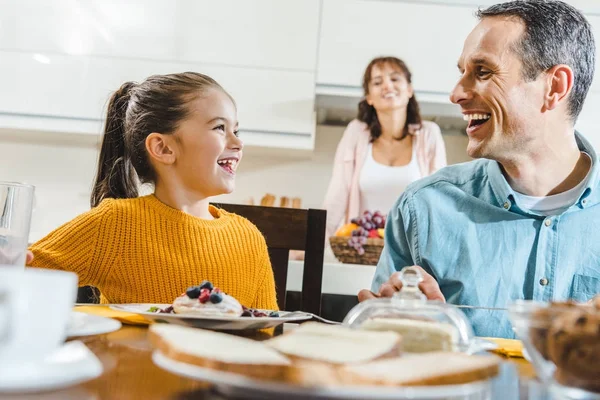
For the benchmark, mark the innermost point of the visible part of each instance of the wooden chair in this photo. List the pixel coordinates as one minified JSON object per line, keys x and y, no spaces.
{"x":288,"y":229}
{"x":284,"y":229}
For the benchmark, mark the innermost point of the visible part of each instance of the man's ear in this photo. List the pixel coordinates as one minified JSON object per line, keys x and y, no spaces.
{"x":559,"y":83}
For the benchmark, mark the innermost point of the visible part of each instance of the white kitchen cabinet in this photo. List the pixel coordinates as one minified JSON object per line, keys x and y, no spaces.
{"x":67,"y":88}
{"x":60,"y":60}
{"x":428,"y":37}
{"x":255,"y":33}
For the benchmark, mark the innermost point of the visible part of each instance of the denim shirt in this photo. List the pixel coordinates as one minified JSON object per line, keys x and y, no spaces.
{"x":463,"y":226}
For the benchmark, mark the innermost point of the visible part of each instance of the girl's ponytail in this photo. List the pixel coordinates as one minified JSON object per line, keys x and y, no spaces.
{"x":116,"y":178}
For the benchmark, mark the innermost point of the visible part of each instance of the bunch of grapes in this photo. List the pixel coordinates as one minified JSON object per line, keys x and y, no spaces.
{"x":356,"y":242}
{"x":367,"y":227}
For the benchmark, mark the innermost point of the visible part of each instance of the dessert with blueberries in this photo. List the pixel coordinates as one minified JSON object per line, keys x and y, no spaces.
{"x":254,"y":313}
{"x":205,"y":299}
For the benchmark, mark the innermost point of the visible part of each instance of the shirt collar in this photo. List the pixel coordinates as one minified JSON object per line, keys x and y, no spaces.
{"x":591,"y":194}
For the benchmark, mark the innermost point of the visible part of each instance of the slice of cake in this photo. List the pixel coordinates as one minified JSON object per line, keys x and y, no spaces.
{"x":418,"y":336}
{"x":219,"y":351}
{"x":427,"y":369}
{"x":336,"y":344}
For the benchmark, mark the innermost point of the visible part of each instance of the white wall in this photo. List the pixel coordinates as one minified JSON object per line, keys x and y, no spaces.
{"x":62,"y":168}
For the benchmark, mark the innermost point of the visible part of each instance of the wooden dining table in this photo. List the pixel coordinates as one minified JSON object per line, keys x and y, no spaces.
{"x":130,"y":374}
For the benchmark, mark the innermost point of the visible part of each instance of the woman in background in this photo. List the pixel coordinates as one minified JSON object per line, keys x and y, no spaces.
{"x":384,"y":149}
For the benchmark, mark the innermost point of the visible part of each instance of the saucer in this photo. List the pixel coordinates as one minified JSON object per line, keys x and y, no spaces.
{"x":82,"y":324}
{"x":69,"y":365}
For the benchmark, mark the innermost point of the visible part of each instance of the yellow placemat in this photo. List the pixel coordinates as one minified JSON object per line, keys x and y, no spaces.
{"x":105,"y":311}
{"x":507,"y":347}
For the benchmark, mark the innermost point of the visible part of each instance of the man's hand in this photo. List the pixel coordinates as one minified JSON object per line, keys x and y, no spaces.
{"x":429,"y":287}
{"x":29,"y":257}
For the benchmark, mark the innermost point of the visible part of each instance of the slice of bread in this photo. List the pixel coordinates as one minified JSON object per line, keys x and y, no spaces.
{"x":418,"y":336}
{"x":426,"y":369}
{"x":219,"y":351}
{"x":335,"y":344}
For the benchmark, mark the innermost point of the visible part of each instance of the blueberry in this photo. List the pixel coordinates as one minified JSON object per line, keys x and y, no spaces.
{"x":193,"y":292}
{"x":216,"y":298}
{"x":274,"y":314}
{"x":206,"y":285}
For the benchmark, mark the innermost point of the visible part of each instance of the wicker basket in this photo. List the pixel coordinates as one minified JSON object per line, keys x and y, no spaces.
{"x":349,"y":255}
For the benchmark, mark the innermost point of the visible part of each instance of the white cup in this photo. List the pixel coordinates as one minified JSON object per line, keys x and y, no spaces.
{"x":35,"y":307}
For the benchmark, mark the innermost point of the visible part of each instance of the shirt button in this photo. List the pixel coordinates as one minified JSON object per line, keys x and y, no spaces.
{"x":543,"y":281}
{"x":548,"y":221}
{"x":506,"y":205}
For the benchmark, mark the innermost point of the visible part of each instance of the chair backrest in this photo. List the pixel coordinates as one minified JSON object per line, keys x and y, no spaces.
{"x":288,"y":229}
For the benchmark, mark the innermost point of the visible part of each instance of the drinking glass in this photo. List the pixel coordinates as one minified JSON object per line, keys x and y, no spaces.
{"x":16,"y":204}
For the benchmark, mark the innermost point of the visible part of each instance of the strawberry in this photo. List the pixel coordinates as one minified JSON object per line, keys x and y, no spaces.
{"x":204,"y":296}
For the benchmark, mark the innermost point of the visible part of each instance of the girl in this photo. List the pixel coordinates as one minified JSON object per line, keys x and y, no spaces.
{"x":178,"y":132}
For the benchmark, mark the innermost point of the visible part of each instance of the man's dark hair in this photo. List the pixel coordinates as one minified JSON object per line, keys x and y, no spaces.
{"x":555,"y":33}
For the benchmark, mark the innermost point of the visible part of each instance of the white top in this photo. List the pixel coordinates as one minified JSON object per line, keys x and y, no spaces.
{"x":555,"y":204}
{"x":381,"y":185}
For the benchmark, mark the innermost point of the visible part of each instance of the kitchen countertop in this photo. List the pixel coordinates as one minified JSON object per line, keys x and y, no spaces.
{"x":338,"y":278}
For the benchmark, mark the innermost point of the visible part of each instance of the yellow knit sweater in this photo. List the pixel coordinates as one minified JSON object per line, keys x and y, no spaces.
{"x":143,"y":251}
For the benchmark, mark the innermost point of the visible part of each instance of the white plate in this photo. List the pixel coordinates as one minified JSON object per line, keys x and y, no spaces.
{"x":69,"y":365}
{"x":526,"y":354}
{"x":82,"y":324}
{"x":235,"y":384}
{"x":210,"y":321}
{"x":479,"y":345}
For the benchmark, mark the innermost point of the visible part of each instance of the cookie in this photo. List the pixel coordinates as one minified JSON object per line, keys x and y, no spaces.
{"x":541,"y":320}
{"x":573,"y":344}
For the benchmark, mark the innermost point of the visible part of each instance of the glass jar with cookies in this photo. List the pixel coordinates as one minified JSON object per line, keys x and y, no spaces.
{"x":562,"y":340}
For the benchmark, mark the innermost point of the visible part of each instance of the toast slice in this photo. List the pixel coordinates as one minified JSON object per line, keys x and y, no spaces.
{"x":418,"y":336}
{"x":219,"y":351}
{"x":335,"y":344}
{"x":425,"y":369}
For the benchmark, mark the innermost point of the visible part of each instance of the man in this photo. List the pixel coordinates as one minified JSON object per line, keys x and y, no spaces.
{"x":520,"y":222}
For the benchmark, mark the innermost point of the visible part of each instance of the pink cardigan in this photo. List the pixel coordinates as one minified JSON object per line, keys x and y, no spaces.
{"x":342,"y":200}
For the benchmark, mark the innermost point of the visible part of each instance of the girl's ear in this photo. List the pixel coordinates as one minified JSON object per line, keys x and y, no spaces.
{"x":160,"y":148}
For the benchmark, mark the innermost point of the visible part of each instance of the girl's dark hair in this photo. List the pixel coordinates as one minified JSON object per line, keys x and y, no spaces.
{"x":367,"y":113}
{"x":134,"y":111}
